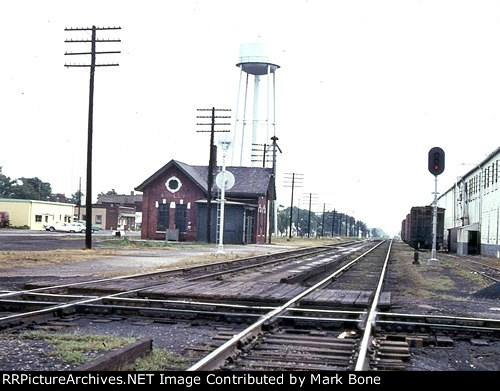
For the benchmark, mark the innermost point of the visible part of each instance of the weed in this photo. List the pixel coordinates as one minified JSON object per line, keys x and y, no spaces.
{"x":159,"y":360}
{"x":77,"y":348}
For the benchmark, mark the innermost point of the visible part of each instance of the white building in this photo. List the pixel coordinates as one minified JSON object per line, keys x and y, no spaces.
{"x":472,"y":215}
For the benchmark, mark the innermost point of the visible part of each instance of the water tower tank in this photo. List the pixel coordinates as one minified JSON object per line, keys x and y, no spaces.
{"x":255,"y":106}
{"x":254,"y":59}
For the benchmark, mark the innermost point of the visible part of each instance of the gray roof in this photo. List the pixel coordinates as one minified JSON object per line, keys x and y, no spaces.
{"x":119,"y":198}
{"x":249,"y":181}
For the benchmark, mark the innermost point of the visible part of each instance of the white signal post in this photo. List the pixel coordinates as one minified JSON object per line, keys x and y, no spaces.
{"x":434,"y":261}
{"x":225,"y":144}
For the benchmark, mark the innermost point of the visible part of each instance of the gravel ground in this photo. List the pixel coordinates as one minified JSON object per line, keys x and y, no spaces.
{"x":28,"y":355}
{"x":464,"y":356}
{"x":35,"y":355}
{"x":417,"y":289}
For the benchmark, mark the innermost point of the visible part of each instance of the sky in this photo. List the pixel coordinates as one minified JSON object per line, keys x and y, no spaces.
{"x":364,"y":90}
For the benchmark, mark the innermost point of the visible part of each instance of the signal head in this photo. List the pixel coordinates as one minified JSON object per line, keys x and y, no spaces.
{"x":436,"y":161}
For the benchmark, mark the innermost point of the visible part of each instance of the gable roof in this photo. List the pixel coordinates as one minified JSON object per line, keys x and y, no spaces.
{"x":249,"y":181}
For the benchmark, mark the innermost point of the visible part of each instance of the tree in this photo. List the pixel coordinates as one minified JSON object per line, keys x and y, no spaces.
{"x":5,"y":185}
{"x":76,"y":198}
{"x":378,"y":233}
{"x":32,"y":189}
{"x":110,"y":192}
{"x":299,"y":223}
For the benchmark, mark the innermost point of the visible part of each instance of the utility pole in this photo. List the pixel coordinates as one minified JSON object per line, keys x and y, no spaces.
{"x":323,"y":223}
{"x":311,"y":196}
{"x":92,"y":66}
{"x":273,"y":217}
{"x":79,"y":196}
{"x":333,"y":221}
{"x":212,"y":156}
{"x":296,"y":181}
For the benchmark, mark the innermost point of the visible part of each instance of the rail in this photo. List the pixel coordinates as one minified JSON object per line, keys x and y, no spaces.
{"x":372,"y":315}
{"x":216,"y":358}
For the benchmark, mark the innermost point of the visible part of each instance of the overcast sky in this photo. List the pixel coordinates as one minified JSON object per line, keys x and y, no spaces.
{"x":365,"y":89}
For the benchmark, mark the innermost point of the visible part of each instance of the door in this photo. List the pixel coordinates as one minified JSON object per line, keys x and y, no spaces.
{"x":249,"y":226}
{"x":474,"y":246}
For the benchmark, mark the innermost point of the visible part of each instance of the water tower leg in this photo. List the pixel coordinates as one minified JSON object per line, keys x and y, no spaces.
{"x":255,"y":115}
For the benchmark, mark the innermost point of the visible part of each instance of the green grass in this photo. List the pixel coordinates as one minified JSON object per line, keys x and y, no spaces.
{"x":163,"y":244}
{"x":159,"y":360}
{"x":446,"y":280}
{"x":77,"y":348}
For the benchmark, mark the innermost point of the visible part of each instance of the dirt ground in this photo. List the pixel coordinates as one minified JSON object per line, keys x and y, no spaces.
{"x":446,"y":289}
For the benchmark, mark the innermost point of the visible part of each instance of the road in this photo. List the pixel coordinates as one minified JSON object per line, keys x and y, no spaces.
{"x":30,"y":240}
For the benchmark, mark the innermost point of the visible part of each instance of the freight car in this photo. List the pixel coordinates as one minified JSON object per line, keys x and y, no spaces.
{"x":416,"y":229}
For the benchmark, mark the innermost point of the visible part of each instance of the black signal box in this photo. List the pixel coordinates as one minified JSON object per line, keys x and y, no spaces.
{"x":436,"y":161}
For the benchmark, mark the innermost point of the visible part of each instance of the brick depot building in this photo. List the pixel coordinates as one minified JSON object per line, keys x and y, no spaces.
{"x":175,"y":204}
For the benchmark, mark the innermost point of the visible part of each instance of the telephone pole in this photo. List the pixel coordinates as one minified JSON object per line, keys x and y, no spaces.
{"x":92,"y":66}
{"x":296,"y":181}
{"x":212,"y":156}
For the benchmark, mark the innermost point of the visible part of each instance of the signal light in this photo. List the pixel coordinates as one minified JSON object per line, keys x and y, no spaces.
{"x":436,"y":161}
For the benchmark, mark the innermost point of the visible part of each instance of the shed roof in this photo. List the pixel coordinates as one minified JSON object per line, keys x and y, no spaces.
{"x":249,"y":181}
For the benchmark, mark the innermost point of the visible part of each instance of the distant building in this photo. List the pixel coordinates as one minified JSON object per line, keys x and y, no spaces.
{"x":111,"y":217}
{"x":34,"y":214}
{"x":123,"y":218}
{"x":131,"y":200}
{"x":174,"y":203}
{"x":472,"y":216}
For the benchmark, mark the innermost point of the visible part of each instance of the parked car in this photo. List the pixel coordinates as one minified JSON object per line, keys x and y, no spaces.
{"x":65,"y":227}
{"x":94,"y":227}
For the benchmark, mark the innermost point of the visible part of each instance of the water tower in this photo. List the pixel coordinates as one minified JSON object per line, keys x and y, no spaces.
{"x":254,"y":64}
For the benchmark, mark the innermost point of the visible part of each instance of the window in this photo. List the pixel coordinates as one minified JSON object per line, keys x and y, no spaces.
{"x":173,"y":184}
{"x":163,"y":217}
{"x":38,"y":218}
{"x":46,"y":219}
{"x":181,"y":217}
{"x":98,"y":219}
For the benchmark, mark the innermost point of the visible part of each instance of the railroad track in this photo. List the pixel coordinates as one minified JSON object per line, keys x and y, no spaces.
{"x":312,"y":319}
{"x":489,"y":272}
{"x":253,"y":342}
{"x":339,"y":340}
{"x":121,"y":294}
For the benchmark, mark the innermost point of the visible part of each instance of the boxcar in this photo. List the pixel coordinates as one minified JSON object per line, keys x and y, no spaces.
{"x":416,"y":229}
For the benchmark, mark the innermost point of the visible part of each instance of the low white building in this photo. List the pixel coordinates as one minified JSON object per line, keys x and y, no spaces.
{"x":33,"y":214}
{"x":472,"y":215}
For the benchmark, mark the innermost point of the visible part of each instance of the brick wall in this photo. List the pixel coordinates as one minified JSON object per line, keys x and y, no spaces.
{"x":157,"y":193}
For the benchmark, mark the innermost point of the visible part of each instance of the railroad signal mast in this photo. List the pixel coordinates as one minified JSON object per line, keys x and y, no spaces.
{"x":435,"y":166}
